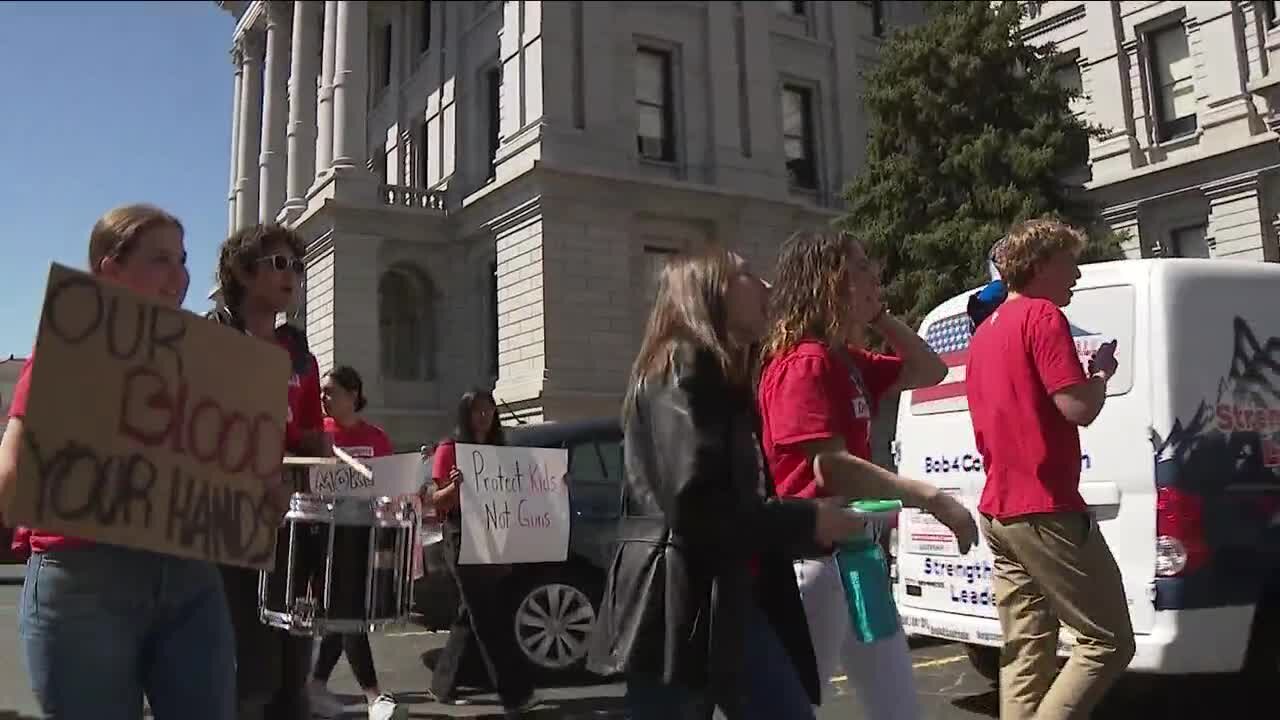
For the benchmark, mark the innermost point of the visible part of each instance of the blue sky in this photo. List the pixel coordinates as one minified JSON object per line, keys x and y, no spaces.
{"x":105,"y":104}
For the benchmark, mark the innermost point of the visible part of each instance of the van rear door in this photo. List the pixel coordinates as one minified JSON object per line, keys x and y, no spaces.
{"x":935,"y":437}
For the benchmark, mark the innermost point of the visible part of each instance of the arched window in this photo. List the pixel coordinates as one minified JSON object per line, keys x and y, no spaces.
{"x":405,"y":324}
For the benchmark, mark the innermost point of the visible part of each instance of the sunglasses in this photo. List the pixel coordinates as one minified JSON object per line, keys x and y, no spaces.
{"x":284,"y":262}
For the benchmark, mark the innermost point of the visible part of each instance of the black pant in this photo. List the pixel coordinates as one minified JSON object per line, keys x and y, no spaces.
{"x":359,"y":655}
{"x":272,"y":666}
{"x":481,"y":622}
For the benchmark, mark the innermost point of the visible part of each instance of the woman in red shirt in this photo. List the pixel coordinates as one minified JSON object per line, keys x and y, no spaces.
{"x":260,"y":275}
{"x":480,"y":619}
{"x":343,"y":394}
{"x":104,"y":625}
{"x":818,"y":393}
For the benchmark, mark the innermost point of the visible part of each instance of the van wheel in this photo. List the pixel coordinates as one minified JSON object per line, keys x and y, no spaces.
{"x":986,"y":660}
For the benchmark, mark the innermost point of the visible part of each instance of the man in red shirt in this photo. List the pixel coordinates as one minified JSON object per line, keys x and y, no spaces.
{"x":1028,"y":397}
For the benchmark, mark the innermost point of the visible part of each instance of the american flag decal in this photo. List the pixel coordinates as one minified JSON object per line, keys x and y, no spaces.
{"x":949,"y":337}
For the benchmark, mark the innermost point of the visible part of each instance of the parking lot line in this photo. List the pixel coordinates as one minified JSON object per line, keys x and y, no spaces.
{"x":922,"y":664}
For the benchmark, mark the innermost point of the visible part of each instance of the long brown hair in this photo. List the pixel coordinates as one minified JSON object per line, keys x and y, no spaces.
{"x":690,"y":307}
{"x":810,"y":297}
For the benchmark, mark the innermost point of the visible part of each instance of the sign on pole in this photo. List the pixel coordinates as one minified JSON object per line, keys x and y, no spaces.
{"x":150,"y":427}
{"x":515,"y":504}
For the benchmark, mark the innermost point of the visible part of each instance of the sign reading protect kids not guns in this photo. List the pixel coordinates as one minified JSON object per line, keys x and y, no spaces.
{"x":150,"y":427}
{"x":515,"y":504}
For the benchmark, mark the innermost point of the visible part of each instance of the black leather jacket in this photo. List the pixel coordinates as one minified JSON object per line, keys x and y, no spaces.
{"x":700,"y":508}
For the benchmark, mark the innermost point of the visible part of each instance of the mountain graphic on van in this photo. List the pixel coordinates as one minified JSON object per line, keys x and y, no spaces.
{"x":1236,"y":439}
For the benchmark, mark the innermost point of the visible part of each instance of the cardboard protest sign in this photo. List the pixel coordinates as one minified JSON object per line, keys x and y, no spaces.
{"x":150,"y":427}
{"x":393,"y":476}
{"x":515,"y":504}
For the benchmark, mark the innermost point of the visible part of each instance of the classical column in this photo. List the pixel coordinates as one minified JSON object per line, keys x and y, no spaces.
{"x":351,"y":86}
{"x":302,"y":107}
{"x":324,"y":115}
{"x":271,"y":162}
{"x":237,"y":60}
{"x":250,"y":130}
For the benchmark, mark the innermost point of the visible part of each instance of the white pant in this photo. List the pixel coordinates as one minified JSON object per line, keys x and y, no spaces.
{"x":880,"y":671}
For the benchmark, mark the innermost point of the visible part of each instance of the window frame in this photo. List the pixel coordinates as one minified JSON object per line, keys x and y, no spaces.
{"x":493,"y":111}
{"x":1166,"y":129}
{"x":808,"y":137}
{"x":666,"y":108}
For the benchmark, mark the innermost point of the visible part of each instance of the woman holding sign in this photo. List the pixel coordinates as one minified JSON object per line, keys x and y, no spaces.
{"x":102,"y":625}
{"x":480,"y":622}
{"x":260,"y":273}
{"x":701,"y":607}
{"x":343,"y":394}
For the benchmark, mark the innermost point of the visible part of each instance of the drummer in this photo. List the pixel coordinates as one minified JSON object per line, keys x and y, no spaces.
{"x":260,"y":274}
{"x":343,"y":394}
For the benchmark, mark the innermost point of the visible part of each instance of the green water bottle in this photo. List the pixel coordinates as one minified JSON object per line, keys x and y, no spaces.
{"x":865,"y":574}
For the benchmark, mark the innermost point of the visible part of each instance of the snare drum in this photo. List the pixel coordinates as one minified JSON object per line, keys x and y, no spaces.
{"x":343,"y":565}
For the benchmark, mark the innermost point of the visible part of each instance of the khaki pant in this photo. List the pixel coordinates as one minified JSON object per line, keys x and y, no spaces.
{"x":1050,"y":569}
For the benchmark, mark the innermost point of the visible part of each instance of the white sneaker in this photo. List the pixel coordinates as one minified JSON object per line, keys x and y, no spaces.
{"x":324,"y":703}
{"x":384,"y":707}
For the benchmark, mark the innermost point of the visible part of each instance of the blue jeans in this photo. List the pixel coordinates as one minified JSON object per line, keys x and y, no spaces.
{"x":774,"y":690}
{"x":103,"y":625}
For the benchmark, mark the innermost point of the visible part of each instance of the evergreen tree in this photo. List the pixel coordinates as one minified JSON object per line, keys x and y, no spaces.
{"x":970,"y":134}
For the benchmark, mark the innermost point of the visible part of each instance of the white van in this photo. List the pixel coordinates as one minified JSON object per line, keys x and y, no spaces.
{"x":1181,"y":469}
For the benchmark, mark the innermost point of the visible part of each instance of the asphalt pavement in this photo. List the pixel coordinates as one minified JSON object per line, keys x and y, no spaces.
{"x":948,"y":686}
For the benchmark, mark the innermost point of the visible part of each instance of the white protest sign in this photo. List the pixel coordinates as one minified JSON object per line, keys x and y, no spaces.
{"x":393,"y":476}
{"x":515,"y":504}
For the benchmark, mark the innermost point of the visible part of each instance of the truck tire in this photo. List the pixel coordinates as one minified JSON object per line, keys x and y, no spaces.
{"x":986,"y":660}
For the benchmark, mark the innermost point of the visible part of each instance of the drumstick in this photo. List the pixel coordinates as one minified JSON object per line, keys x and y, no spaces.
{"x":354,"y":463}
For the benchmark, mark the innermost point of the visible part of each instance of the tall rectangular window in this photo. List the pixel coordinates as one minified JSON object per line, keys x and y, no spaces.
{"x":493,"y":88}
{"x":654,"y":113}
{"x":423,"y":145}
{"x":1172,"y":85}
{"x":424,"y":27}
{"x":384,"y":63}
{"x":492,"y":296}
{"x":797,"y":137}
{"x":1271,"y":11}
{"x":1068,"y":77}
{"x":877,"y":18}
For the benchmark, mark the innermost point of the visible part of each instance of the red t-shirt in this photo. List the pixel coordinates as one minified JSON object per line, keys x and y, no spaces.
{"x":362,"y":440}
{"x":442,"y":463}
{"x":305,"y":410}
{"x":808,"y":393}
{"x":1018,"y":358}
{"x":26,"y":540}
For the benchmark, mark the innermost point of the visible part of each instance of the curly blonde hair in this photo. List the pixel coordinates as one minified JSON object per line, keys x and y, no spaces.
{"x":810,"y":298}
{"x":1029,"y":244}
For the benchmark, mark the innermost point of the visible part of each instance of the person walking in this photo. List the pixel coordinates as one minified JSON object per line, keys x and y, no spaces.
{"x":700,"y":608}
{"x":819,"y":391}
{"x":1052,"y":565}
{"x":260,"y":273}
{"x":104,"y":626}
{"x":479,"y":625}
{"x":342,"y":392}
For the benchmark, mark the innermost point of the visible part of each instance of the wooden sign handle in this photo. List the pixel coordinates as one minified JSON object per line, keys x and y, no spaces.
{"x":355,"y":464}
